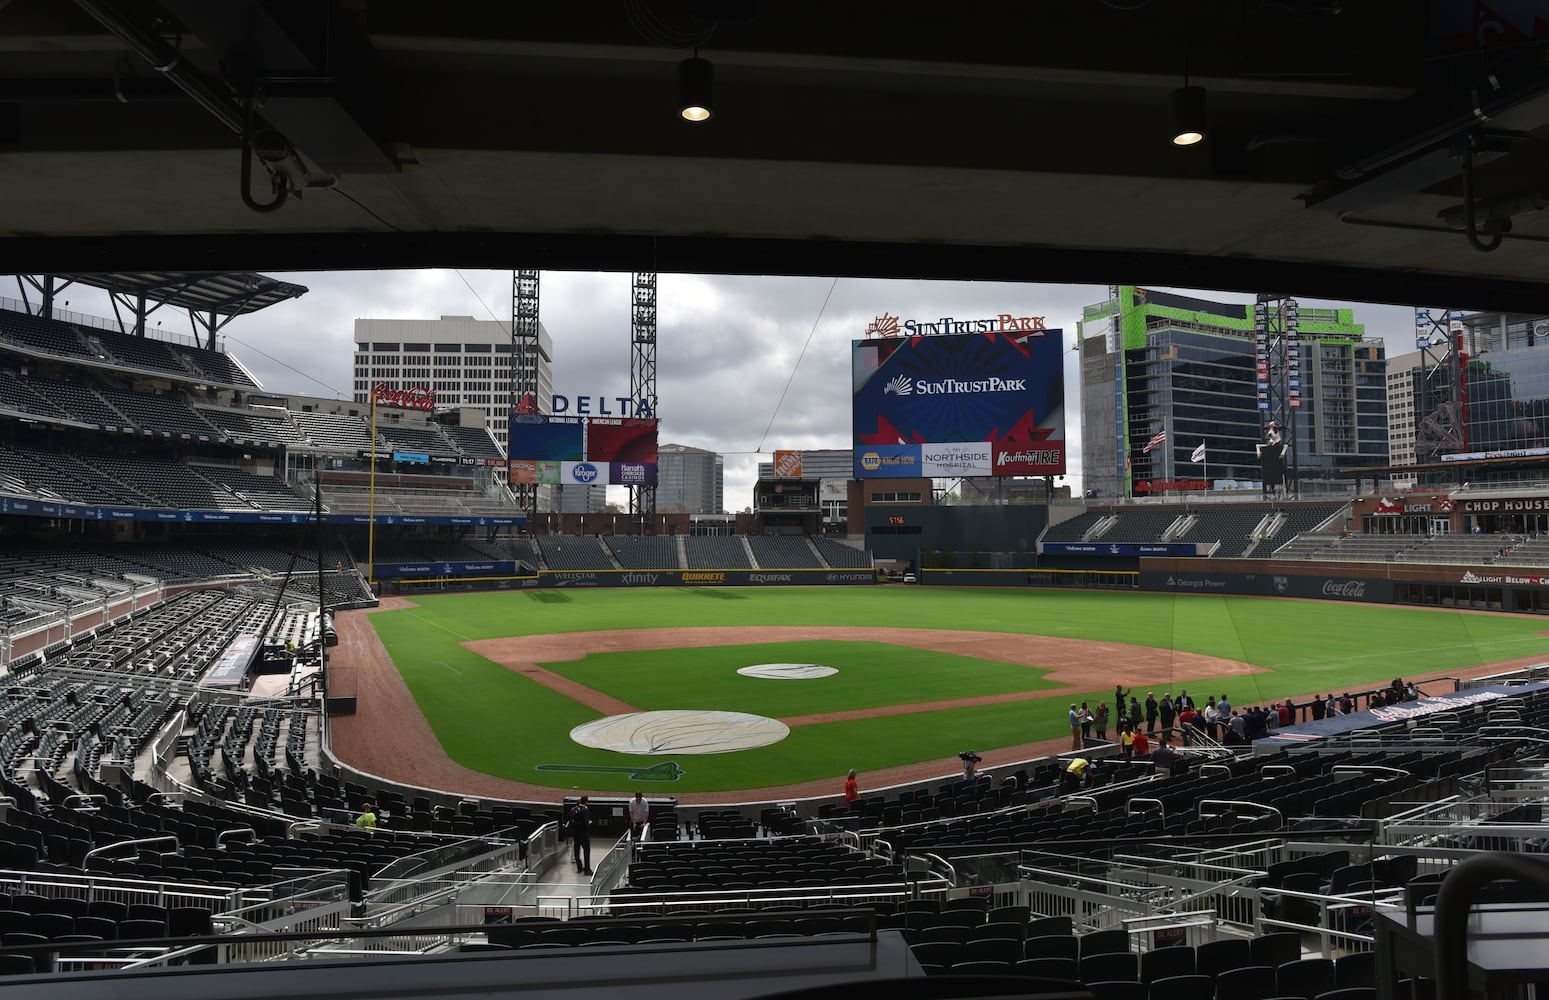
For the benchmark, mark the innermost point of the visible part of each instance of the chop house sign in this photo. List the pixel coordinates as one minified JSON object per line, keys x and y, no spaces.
{"x":416,"y":398}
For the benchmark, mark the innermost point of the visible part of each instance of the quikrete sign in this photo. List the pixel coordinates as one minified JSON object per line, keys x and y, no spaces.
{"x":888,"y":325}
{"x":418,"y":397}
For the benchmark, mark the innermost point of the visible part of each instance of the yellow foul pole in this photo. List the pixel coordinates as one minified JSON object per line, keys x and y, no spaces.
{"x":371,"y":503}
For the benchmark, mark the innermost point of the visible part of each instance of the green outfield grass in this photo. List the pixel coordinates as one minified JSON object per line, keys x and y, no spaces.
{"x":491,"y":719}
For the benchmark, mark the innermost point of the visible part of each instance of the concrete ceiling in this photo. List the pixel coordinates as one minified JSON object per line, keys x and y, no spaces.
{"x":998,"y":141}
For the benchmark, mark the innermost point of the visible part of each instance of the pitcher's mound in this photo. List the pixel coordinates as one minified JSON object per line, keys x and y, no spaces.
{"x":679,"y":732}
{"x":787,"y":671}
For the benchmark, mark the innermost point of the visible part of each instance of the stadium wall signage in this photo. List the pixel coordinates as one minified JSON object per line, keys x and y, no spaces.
{"x":888,"y":325}
{"x":39,"y":508}
{"x":418,"y":397}
{"x":699,"y":578}
{"x":1119,"y":549}
{"x":1320,"y":587}
{"x":584,"y":405}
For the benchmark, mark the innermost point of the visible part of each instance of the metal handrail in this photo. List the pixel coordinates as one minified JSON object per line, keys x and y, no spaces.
{"x":1238,"y":805}
{"x":94,"y":852}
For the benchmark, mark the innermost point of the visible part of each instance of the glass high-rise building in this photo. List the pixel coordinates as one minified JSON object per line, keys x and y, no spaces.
{"x":1505,"y":382}
{"x":688,"y":480}
{"x":1163,"y":374}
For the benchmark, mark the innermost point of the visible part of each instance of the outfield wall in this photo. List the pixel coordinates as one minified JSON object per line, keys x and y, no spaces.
{"x":1479,"y":588}
{"x":580,"y":579}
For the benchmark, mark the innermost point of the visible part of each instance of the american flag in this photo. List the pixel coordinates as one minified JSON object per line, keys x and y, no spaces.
{"x":1160,"y":438}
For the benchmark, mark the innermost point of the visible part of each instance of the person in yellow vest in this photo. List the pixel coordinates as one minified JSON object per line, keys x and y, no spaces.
{"x":367,"y":818}
{"x":1127,"y":741}
{"x":1075,"y":773}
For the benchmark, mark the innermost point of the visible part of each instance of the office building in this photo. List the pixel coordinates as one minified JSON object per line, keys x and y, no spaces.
{"x":688,"y":480}
{"x":1163,"y":374}
{"x":464,"y":361}
{"x":1505,"y":385}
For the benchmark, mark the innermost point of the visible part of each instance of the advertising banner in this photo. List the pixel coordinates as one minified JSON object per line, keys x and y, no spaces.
{"x":1321,"y":587}
{"x":39,"y":508}
{"x":390,"y":571}
{"x":583,"y":474}
{"x":957,"y":459}
{"x":548,"y":472}
{"x":632,"y":474}
{"x":787,"y":464}
{"x":555,"y":439}
{"x":888,"y":461}
{"x":1002,"y":388}
{"x":1118,"y":549}
{"x":620,"y":440}
{"x":524,"y":471}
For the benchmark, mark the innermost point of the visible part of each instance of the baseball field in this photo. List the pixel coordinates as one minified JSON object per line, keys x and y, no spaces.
{"x":918,"y":674}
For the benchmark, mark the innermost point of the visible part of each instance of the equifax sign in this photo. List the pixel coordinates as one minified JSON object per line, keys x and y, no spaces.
{"x":417,"y":398}
{"x":888,"y":325}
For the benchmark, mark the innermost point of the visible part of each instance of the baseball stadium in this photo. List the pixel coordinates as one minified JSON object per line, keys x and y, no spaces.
{"x":1225,"y":679}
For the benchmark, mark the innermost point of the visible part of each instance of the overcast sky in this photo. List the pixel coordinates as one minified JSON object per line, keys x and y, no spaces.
{"x":727,"y":347}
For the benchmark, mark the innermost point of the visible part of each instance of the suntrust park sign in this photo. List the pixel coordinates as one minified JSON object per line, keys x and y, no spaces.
{"x":888,"y":325}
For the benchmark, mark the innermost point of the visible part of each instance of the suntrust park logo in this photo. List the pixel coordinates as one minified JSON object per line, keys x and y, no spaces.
{"x":953,"y":386}
{"x":888,"y":325}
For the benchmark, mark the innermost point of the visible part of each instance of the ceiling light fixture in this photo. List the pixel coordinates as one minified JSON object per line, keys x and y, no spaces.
{"x":696,"y":77}
{"x":1188,"y":115}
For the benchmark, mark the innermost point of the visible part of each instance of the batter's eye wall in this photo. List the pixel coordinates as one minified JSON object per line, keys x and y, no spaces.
{"x":902,"y":531}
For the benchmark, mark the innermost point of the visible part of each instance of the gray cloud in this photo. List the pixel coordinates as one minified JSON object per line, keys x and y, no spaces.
{"x":727,"y":345}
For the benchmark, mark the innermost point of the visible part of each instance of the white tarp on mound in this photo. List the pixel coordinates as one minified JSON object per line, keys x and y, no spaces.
{"x":680,"y":732}
{"x":787,"y":671}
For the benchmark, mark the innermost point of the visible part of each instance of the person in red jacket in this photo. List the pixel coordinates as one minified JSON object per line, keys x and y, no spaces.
{"x":1142,"y":745}
{"x":852,"y":790}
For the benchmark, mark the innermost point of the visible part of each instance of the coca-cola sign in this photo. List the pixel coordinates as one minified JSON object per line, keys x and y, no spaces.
{"x":416,"y":398}
{"x":1354,"y":590}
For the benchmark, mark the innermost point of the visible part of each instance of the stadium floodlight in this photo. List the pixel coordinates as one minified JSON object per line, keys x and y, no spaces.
{"x":1188,"y":115}
{"x":695,"y":80}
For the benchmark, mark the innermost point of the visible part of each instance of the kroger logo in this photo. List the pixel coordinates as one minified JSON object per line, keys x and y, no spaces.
{"x":898,"y":386}
{"x":584,"y":472}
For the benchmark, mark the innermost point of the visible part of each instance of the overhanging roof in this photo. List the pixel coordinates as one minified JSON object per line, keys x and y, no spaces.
{"x":221,"y":293}
{"x":1022,"y":142}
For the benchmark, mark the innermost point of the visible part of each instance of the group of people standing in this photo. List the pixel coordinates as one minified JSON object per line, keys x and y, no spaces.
{"x":1133,"y":717}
